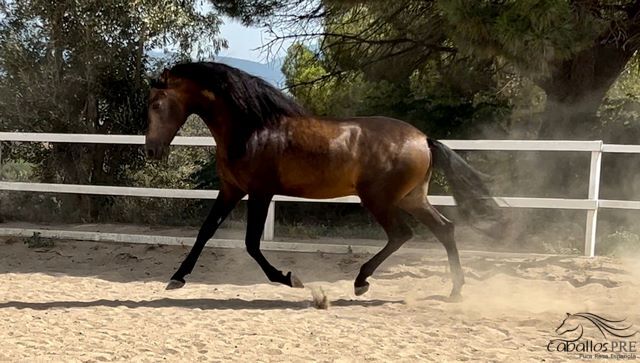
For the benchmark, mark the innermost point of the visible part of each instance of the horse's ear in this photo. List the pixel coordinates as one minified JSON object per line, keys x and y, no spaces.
{"x":164,"y":77}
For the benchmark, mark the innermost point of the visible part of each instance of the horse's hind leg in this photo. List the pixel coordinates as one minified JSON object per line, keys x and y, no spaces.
{"x":398,"y":232}
{"x":417,"y":205}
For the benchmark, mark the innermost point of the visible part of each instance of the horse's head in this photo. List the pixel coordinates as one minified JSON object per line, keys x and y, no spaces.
{"x":219,"y":94}
{"x":569,"y":324}
{"x":168,"y":110}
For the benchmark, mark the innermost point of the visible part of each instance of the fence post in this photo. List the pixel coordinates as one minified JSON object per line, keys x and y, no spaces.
{"x":594,"y":194}
{"x":269,"y":224}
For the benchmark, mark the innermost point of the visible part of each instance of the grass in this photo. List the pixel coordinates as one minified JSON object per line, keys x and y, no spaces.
{"x":619,"y":244}
{"x":36,"y":241}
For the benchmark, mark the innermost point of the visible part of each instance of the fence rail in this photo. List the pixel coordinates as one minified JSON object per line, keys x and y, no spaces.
{"x":591,"y":203}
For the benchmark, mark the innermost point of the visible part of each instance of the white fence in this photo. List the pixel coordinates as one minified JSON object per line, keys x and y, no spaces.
{"x":591,"y":203}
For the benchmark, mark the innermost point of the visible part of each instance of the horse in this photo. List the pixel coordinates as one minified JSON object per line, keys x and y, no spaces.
{"x":267,"y":144}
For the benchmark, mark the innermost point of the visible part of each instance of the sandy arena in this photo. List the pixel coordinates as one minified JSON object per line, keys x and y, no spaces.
{"x":92,"y":302}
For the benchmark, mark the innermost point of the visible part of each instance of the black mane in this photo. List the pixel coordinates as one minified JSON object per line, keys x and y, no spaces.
{"x":253,"y":102}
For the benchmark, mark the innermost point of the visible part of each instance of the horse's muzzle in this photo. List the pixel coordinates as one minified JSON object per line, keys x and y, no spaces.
{"x":154,"y":150}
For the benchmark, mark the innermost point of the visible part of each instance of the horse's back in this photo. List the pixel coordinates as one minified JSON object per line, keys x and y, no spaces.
{"x":397,"y":158}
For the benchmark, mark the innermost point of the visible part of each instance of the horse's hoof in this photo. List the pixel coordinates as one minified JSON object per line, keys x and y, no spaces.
{"x":455,"y":298}
{"x":296,"y":282}
{"x":174,"y":284}
{"x":360,"y":290}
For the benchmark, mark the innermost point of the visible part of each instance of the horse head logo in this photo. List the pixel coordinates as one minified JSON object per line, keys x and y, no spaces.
{"x":573,"y":326}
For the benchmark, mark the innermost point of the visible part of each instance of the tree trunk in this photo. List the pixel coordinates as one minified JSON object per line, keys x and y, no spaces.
{"x":66,"y":163}
{"x":575,"y":90}
{"x":140,"y":55}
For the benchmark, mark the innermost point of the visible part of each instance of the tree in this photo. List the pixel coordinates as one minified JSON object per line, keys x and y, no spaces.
{"x":573,"y":50}
{"x":81,"y":66}
{"x":362,"y":62}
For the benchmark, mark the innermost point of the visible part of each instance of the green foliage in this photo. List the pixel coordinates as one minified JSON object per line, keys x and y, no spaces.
{"x":81,"y":67}
{"x":529,"y":33}
{"x":36,"y":241}
{"x":314,"y":87}
{"x":15,"y":171}
{"x":443,"y":98}
{"x":206,"y":176}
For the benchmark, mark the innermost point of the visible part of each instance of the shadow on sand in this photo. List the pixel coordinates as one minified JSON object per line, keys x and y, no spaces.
{"x":203,"y":304}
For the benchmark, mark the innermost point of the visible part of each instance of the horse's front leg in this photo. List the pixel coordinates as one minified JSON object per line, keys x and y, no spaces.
{"x":227,"y":199}
{"x":258,"y":207}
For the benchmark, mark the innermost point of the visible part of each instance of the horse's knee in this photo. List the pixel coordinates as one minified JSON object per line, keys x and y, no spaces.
{"x":253,"y":251}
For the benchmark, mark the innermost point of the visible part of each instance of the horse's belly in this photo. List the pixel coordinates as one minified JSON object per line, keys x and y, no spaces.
{"x":318,"y":193}
{"x":317,"y":182}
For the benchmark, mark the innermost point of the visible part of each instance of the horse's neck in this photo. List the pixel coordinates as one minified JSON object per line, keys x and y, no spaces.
{"x":228,"y":139}
{"x":219,"y":135}
{"x":231,"y":134}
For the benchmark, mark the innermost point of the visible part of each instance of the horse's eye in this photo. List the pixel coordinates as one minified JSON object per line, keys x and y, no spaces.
{"x":155,"y":105}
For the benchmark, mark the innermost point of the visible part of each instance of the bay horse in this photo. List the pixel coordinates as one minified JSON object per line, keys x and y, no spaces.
{"x":267,"y":144}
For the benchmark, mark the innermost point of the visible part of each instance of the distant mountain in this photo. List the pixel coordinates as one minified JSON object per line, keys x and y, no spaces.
{"x":269,"y":72}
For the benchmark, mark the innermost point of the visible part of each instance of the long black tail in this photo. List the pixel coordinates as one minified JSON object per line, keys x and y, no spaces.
{"x":469,"y":190}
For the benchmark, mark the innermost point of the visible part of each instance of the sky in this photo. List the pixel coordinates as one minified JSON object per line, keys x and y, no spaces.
{"x":244,"y":41}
